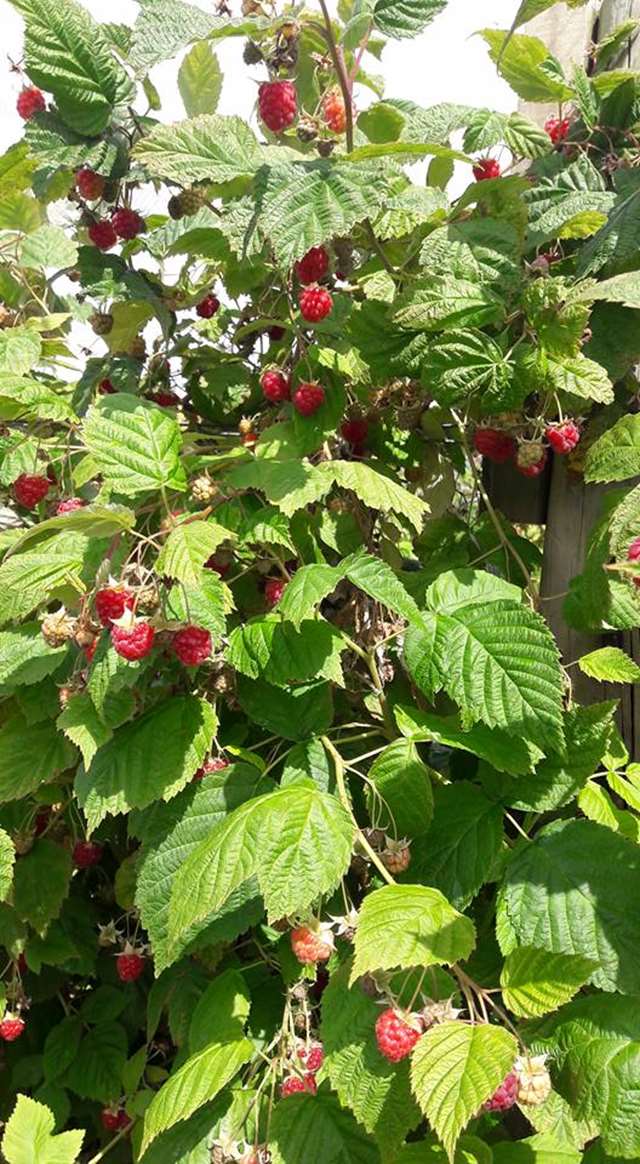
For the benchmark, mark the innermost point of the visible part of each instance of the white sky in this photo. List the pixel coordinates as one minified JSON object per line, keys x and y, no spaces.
{"x":446,"y":63}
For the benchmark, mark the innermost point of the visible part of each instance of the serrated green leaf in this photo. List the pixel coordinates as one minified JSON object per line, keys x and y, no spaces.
{"x":281,"y":654}
{"x":22,"y":398}
{"x":35,"y":576}
{"x":95,"y":520}
{"x":610,"y":665}
{"x":401,"y":926}
{"x":377,"y":491}
{"x":377,"y":579}
{"x":542,"y":1149}
{"x":527,"y":66}
{"x":96,"y":1071}
{"x":28,"y":1136}
{"x":580,"y":377}
{"x":25,"y":656}
{"x":7,"y":858}
{"x":200,"y":80}
{"x":455,"y":1069}
{"x":48,"y":247}
{"x":152,"y":758}
{"x":30,"y":754}
{"x":205,"y":605}
{"x":309,"y":586}
{"x":506,"y":753}
{"x":400,"y":794}
{"x":321,"y":1121}
{"x":209,"y":147}
{"x":82,"y":724}
{"x":294,"y":714}
{"x":616,"y":454}
{"x":20,"y":349}
{"x":534,"y":981}
{"x":458,"y":852}
{"x":297,"y":841}
{"x":558,"y":895}
{"x":41,"y":883}
{"x":187,"y":548}
{"x":462,"y":363}
{"x":135,"y":445}
{"x":401,"y":18}
{"x":447,"y":303}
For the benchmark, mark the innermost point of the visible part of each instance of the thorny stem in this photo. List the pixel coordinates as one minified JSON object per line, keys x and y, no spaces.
{"x":346,"y":801}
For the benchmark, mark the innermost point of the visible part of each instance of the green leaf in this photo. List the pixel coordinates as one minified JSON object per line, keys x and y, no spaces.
{"x":221,"y":1012}
{"x":61,"y":1047}
{"x":309,"y":586}
{"x":135,"y":445}
{"x":30,"y":755}
{"x":152,"y":758}
{"x":542,"y":1149}
{"x":165,"y":26}
{"x":210,"y":147}
{"x":506,"y":753}
{"x":187,"y":548}
{"x":95,"y":520}
{"x":559,"y":895}
{"x":447,"y":302}
{"x":465,"y":362}
{"x":528,"y":9}
{"x":580,"y":377}
{"x":82,"y":724}
{"x":21,"y":398}
{"x":197,"y":1082}
{"x":616,"y":243}
{"x":534,"y":981}
{"x":205,"y":605}
{"x":171,"y":835}
{"x":294,"y":714}
{"x":266,"y":648}
{"x":41,"y":883}
{"x":28,"y":1136}
{"x":455,"y":1069}
{"x":610,"y":665}
{"x":296,"y":841}
{"x":96,"y":1071}
{"x":20,"y":349}
{"x":68,"y":54}
{"x":48,"y":247}
{"x":616,"y":454}
{"x":7,"y":858}
{"x":405,"y":18}
{"x":624,"y":289}
{"x":25,"y":657}
{"x":27,"y":579}
{"x":458,"y":852}
{"x":376,"y":1091}
{"x":381,"y":122}
{"x":377,"y":491}
{"x":319,"y":1120}
{"x":527,"y":66}
{"x":378,"y":580}
{"x":400,"y":795}
{"x":401,"y":926}
{"x":200,"y":80}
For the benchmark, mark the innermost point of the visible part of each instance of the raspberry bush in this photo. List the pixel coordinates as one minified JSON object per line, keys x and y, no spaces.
{"x":307,"y":851}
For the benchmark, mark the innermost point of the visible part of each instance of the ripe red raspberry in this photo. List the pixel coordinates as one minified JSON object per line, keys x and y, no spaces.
{"x":11,"y":1028}
{"x":486,"y":168}
{"x":215,"y":764}
{"x":495,"y":445}
{"x":86,"y":853}
{"x":313,"y":266}
{"x":312,"y":945}
{"x":127,"y":223}
{"x":102,"y":235}
{"x":30,"y":488}
{"x":166,"y":399}
{"x":70,"y":505}
{"x":208,"y":306}
{"x":90,"y":650}
{"x":311,"y":1057}
{"x":192,"y":645}
{"x":315,"y":304}
{"x":394,"y":1036}
{"x":557,"y":128}
{"x":114,"y":1120}
{"x":505,"y":1096}
{"x":106,"y":388}
{"x":133,"y":642}
{"x":273,"y":590}
{"x":633,"y":555}
{"x":129,"y":964}
{"x":89,"y":184}
{"x":563,"y":438}
{"x":221,"y":568}
{"x":30,"y":102}
{"x":355,"y":432}
{"x":275,"y":385}
{"x":334,"y":112}
{"x":111,"y":603}
{"x":277,"y":104}
{"x":294,"y":1085}
{"x":308,"y":398}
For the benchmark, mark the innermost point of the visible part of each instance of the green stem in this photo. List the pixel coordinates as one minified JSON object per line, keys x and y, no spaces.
{"x":346,"y":801}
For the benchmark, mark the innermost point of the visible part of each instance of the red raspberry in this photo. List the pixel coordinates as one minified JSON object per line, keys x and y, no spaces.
{"x":294,"y":1085}
{"x":486,"y":168}
{"x":11,"y":1028}
{"x":86,"y":853}
{"x":563,"y":438}
{"x":166,"y":399}
{"x":633,"y":555}
{"x":30,"y":488}
{"x":495,"y":445}
{"x":308,"y":398}
{"x":313,"y":266}
{"x":276,"y":333}
{"x":192,"y":645}
{"x":129,"y":964}
{"x":557,"y":128}
{"x":311,"y":1057}
{"x":111,"y":603}
{"x":30,"y":102}
{"x":102,"y":235}
{"x":334,"y":112}
{"x":315,"y":304}
{"x":275,"y":385}
{"x":90,"y":650}
{"x":127,"y":223}
{"x":208,"y":306}
{"x":89,"y":184}
{"x":277,"y":104}
{"x":273,"y":590}
{"x":70,"y":505}
{"x":215,"y":764}
{"x":106,"y":388}
{"x":312,"y":945}
{"x":394,"y":1036}
{"x":41,"y":823}
{"x":355,"y":432}
{"x":221,"y":568}
{"x":113,"y":1120}
{"x":133,"y":642}
{"x":533,"y":470}
{"x":505,"y":1096}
